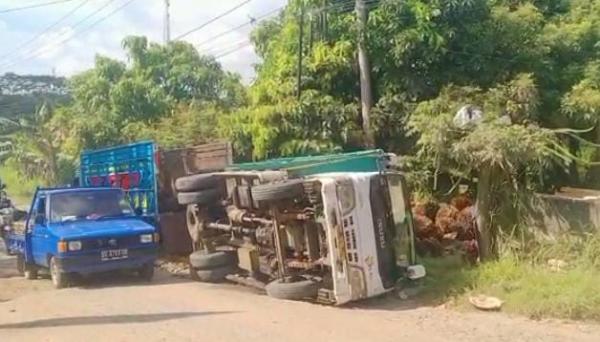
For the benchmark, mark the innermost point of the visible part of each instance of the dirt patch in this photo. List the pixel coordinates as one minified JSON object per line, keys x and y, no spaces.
{"x":15,"y":287}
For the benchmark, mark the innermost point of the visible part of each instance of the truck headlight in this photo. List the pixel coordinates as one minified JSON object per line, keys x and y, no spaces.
{"x":146,"y":238}
{"x":345,"y":192}
{"x":74,"y":245}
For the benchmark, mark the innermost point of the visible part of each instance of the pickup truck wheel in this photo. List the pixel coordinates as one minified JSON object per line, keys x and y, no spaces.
{"x":196,"y":182}
{"x":278,"y":191}
{"x":215,"y":275}
{"x":293,"y":289}
{"x":30,"y":272}
{"x":204,"y":261}
{"x":146,"y":272}
{"x":59,"y":279}
{"x":199,"y":197}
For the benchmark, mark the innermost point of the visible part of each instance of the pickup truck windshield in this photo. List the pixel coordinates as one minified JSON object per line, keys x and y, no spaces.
{"x":88,"y":205}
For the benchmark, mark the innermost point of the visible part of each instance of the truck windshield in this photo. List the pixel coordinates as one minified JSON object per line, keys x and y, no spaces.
{"x":88,"y":205}
{"x":402,"y":219}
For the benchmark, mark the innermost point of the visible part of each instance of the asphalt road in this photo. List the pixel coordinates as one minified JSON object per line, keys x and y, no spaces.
{"x":122,"y":308}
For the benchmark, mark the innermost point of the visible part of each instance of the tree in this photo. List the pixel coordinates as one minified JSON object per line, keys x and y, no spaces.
{"x":164,"y":84}
{"x":493,"y":150}
{"x":582,"y":105}
{"x":36,"y":145}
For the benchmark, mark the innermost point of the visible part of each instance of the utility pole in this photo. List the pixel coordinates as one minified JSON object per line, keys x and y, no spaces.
{"x":300,"y":48}
{"x":167,"y":23}
{"x":366,"y":93}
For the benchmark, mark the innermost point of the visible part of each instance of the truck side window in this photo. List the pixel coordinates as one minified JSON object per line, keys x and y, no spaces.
{"x":41,"y":207}
{"x":39,"y":212}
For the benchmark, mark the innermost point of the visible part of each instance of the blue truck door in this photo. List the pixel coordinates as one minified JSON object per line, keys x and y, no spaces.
{"x":37,"y":226}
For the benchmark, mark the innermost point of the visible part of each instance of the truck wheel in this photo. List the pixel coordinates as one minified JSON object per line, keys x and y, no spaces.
{"x":59,"y":279}
{"x":30,"y":272}
{"x":20,"y":264}
{"x":204,"y":261}
{"x":200,"y":197}
{"x":277,"y":191}
{"x":293,"y":289}
{"x":196,"y":182}
{"x":146,"y":272}
{"x":215,"y":275}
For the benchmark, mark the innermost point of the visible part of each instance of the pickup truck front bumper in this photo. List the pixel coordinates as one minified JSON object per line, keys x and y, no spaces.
{"x":92,"y":262}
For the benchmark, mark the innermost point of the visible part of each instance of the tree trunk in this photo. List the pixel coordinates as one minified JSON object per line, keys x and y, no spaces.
{"x":573,"y":172}
{"x":366,"y":93}
{"x":593,"y":174}
{"x":483,"y":210}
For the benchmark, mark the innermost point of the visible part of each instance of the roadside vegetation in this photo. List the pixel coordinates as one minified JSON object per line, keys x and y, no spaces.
{"x":554,"y":279}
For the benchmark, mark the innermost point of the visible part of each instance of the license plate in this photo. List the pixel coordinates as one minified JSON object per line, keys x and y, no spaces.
{"x":113,"y":254}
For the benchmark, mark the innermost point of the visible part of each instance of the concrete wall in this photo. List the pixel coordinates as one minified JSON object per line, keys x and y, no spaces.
{"x":571,"y":210}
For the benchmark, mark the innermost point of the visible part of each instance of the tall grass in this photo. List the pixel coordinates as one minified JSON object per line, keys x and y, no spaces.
{"x":525,"y":281}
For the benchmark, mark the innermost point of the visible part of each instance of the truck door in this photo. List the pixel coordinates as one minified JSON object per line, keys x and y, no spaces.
{"x":38,"y":228}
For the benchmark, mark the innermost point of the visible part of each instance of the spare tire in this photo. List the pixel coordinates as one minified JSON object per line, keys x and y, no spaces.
{"x":196,"y":182}
{"x":201,"y":260}
{"x":294,"y":289}
{"x":278,"y":191}
{"x":200,"y":197}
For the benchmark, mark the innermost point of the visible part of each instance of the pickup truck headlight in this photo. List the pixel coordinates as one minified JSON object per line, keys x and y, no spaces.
{"x":74,"y":245}
{"x":146,"y":238}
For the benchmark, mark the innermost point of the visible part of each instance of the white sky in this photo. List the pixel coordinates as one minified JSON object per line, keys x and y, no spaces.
{"x":141,"y":17}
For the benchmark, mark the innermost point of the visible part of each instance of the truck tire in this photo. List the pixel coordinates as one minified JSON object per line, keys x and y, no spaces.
{"x":205,"y":261}
{"x":200,"y":197}
{"x":59,"y":279}
{"x":146,"y":272}
{"x":294,"y":289}
{"x":197,"y":182}
{"x":30,"y":272}
{"x":215,"y":275}
{"x":278,"y":191}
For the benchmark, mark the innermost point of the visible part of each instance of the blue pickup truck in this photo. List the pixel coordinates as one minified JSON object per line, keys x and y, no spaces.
{"x":107,"y":224}
{"x":82,"y":231}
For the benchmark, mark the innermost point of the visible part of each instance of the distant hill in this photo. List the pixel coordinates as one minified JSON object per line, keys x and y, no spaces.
{"x":21,"y":95}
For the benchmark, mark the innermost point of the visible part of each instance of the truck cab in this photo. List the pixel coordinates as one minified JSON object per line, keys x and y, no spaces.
{"x":82,"y":231}
{"x":334,"y":229}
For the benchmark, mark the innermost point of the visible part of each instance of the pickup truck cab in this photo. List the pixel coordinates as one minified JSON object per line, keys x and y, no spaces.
{"x":82,"y":231}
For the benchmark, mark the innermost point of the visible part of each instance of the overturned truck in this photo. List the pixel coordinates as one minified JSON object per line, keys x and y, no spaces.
{"x":333,"y":229}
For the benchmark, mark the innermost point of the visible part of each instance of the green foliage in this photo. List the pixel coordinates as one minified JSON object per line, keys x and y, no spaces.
{"x":188,"y":125}
{"x":315,"y":124}
{"x":19,"y":187}
{"x":525,"y":281}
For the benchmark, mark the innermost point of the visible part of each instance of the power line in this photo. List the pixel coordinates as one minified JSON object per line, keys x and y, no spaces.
{"x":86,"y":29}
{"x":15,"y":9}
{"x":239,"y":47}
{"x":339,"y":6}
{"x":251,"y":21}
{"x":44,"y":31}
{"x":34,"y":50}
{"x":212,"y":20}
{"x":217,"y":49}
